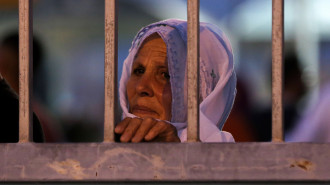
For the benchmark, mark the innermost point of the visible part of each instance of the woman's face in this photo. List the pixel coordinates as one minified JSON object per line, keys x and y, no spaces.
{"x":148,"y":88}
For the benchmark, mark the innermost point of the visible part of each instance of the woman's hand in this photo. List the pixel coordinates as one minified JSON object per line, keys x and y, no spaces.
{"x":148,"y":129}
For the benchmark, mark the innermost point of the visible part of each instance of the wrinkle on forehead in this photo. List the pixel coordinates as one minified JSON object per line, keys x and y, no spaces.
{"x":154,"y":47}
{"x":153,"y":43}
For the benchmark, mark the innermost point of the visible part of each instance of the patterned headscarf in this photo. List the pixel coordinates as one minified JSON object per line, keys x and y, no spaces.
{"x":217,"y":76}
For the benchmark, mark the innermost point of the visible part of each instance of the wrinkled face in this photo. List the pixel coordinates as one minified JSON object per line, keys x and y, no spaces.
{"x":148,"y":88}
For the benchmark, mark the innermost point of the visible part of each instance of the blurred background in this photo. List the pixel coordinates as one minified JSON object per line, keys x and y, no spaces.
{"x":69,"y":84}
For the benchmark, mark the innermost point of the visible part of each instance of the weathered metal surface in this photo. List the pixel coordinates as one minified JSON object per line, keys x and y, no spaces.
{"x":193,"y":70}
{"x":110,"y":70}
{"x":165,"y":162}
{"x":25,"y":70}
{"x":277,"y":70}
{"x":174,"y":183}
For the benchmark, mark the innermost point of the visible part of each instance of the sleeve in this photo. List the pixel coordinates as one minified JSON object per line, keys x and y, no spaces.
{"x":209,"y":133}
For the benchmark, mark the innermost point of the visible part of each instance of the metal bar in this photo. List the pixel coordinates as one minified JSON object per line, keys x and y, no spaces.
{"x":277,"y":70}
{"x":164,"y":162}
{"x":193,"y":70}
{"x":25,"y":70}
{"x":110,"y":70}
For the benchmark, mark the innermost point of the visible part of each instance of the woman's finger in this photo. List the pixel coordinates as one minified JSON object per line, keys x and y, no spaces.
{"x":122,"y":125}
{"x":130,"y":130}
{"x":156,"y":130}
{"x":143,"y":130}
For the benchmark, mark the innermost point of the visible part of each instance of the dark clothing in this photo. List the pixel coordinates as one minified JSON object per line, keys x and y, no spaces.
{"x":263,"y":122}
{"x":9,"y":118}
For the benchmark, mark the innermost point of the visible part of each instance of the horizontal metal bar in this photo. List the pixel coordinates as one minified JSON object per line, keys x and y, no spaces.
{"x":110,"y":70}
{"x":193,"y":70}
{"x":25,"y":70}
{"x":109,"y":162}
{"x":277,"y":70}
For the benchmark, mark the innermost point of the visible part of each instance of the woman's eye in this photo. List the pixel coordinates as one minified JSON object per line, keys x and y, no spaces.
{"x":166,"y":75}
{"x":138,"y":71}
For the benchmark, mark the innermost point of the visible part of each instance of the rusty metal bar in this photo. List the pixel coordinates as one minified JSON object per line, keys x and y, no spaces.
{"x":277,"y":70}
{"x":193,"y":70}
{"x":25,"y":70}
{"x":110,"y":70}
{"x":165,"y":162}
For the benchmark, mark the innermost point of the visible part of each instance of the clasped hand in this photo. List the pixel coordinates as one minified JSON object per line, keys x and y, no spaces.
{"x":148,"y":129}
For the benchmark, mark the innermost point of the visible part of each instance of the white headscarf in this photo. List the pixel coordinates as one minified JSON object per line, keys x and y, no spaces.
{"x":217,"y":76}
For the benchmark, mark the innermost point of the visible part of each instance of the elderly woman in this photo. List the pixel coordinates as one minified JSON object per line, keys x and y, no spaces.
{"x":153,"y":85}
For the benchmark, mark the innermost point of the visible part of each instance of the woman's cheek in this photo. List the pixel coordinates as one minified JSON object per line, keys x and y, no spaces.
{"x":167,"y":101}
{"x":130,"y":90}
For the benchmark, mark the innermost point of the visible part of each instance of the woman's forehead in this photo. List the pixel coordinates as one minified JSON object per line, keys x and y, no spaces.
{"x":154,"y":42}
{"x":155,"y":55}
{"x":155,"y":59}
{"x":152,"y":51}
{"x":154,"y":47}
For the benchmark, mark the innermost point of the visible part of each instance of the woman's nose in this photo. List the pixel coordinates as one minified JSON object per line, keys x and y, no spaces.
{"x":144,"y":86}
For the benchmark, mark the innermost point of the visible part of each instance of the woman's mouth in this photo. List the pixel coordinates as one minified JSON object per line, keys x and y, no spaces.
{"x":138,"y":109}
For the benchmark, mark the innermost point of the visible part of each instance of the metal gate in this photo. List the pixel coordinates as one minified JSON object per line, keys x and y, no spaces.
{"x":190,"y":162}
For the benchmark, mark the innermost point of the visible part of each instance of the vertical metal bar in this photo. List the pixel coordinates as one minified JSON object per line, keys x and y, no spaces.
{"x":25,"y":70}
{"x":110,"y":70}
{"x":193,"y":70}
{"x":277,"y":70}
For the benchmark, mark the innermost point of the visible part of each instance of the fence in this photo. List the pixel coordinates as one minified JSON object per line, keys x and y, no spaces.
{"x":158,"y":162}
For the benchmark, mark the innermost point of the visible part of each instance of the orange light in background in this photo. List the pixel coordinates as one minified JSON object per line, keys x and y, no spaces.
{"x":11,"y":4}
{"x":8,"y":4}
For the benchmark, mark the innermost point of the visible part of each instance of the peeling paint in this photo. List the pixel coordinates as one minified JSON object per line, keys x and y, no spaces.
{"x":302,"y":164}
{"x":69,"y":167}
{"x":155,"y":160}
{"x":73,"y":168}
{"x":119,"y":162}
